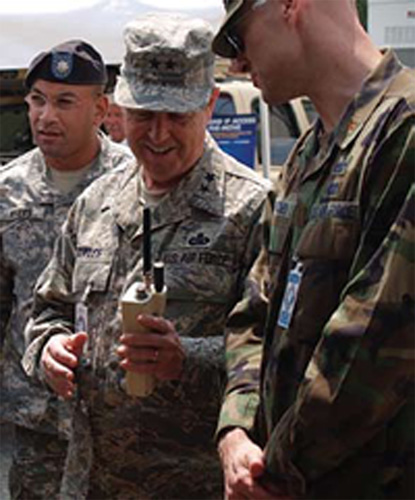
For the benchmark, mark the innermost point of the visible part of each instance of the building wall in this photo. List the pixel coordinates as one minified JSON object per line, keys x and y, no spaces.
{"x":392,"y":23}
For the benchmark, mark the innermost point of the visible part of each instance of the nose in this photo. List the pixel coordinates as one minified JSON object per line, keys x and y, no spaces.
{"x":47,"y":112}
{"x":159,"y":128}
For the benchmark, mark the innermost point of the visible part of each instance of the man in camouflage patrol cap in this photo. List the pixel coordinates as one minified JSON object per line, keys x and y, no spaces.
{"x":66,"y":107}
{"x":205,"y":227}
{"x":336,"y":275}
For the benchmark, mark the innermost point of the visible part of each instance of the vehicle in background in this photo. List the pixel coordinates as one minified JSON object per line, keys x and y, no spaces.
{"x":237,"y":96}
{"x":287,"y":121}
{"x":15,"y":135}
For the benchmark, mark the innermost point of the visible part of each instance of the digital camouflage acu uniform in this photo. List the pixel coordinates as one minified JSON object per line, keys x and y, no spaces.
{"x":336,"y":412}
{"x":207,"y":233}
{"x":31,"y":214}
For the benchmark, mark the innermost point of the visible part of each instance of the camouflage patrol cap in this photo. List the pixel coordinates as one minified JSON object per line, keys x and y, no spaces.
{"x":221,"y":44}
{"x":74,"y":62}
{"x":168,"y":64}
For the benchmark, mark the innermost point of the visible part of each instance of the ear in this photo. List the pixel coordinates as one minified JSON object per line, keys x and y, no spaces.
{"x":289,"y":8}
{"x":239,"y":65}
{"x":212,"y":101}
{"x":101,"y":109}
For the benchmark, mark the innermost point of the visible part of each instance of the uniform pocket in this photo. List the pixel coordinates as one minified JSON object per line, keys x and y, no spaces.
{"x":27,"y":237}
{"x":94,"y":275}
{"x":280,"y":225}
{"x":201,"y":275}
{"x":325,"y":250}
{"x":202,"y":286}
{"x":331,"y":233}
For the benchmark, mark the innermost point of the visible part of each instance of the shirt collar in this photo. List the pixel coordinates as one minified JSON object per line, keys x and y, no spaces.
{"x":202,"y":188}
{"x":367,"y":99}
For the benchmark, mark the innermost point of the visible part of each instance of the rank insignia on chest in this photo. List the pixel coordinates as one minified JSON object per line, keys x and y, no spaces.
{"x":352,"y":127}
{"x":340,"y":168}
{"x":209,"y":177}
{"x":333,"y":189}
{"x":282,"y":208}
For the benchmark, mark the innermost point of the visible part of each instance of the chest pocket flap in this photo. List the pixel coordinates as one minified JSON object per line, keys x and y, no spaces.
{"x":91,"y":273}
{"x":332,"y":232}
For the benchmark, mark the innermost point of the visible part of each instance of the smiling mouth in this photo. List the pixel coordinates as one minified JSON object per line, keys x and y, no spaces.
{"x":160,"y":150}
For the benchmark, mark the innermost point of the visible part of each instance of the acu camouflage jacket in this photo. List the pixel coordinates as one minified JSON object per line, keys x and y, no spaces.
{"x":32,"y":212}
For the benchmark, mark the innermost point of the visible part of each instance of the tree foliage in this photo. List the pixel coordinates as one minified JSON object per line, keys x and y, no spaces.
{"x":362,"y":9}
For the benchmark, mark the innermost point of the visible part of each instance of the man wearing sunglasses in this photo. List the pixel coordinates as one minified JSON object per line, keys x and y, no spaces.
{"x":332,"y":292}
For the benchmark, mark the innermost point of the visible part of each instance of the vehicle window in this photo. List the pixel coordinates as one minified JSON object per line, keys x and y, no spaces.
{"x":284,"y":131}
{"x":15,"y":138}
{"x":310,"y":110}
{"x":283,"y":121}
{"x":224,"y":105}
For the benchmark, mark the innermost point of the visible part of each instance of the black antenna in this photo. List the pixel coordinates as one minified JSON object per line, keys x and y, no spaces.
{"x":146,"y":242}
{"x":158,"y":276}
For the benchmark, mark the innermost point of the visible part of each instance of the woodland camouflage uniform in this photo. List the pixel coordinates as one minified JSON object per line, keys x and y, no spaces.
{"x":336,"y":407}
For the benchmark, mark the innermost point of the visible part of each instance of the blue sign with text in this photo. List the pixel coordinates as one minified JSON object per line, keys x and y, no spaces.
{"x":236,"y":135}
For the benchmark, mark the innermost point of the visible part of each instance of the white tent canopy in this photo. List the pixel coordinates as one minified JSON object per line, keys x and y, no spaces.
{"x":28,"y":27}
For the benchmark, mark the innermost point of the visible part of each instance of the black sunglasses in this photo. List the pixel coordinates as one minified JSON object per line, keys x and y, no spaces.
{"x":236,"y":42}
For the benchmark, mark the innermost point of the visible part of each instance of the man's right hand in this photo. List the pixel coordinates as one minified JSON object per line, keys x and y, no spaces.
{"x":240,"y":457}
{"x":60,"y":357}
{"x":243,"y":464}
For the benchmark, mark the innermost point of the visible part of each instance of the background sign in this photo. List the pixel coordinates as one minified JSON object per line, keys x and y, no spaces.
{"x":236,"y":135}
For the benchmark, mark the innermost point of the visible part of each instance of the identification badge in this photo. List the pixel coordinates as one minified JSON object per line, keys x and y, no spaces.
{"x":81,"y":317}
{"x":290,"y":296}
{"x":81,"y":312}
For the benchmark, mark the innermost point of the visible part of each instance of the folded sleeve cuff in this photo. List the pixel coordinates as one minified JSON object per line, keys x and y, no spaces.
{"x":238,"y":410}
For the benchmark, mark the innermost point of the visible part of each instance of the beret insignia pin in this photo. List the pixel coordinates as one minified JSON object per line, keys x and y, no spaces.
{"x":61,"y":65}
